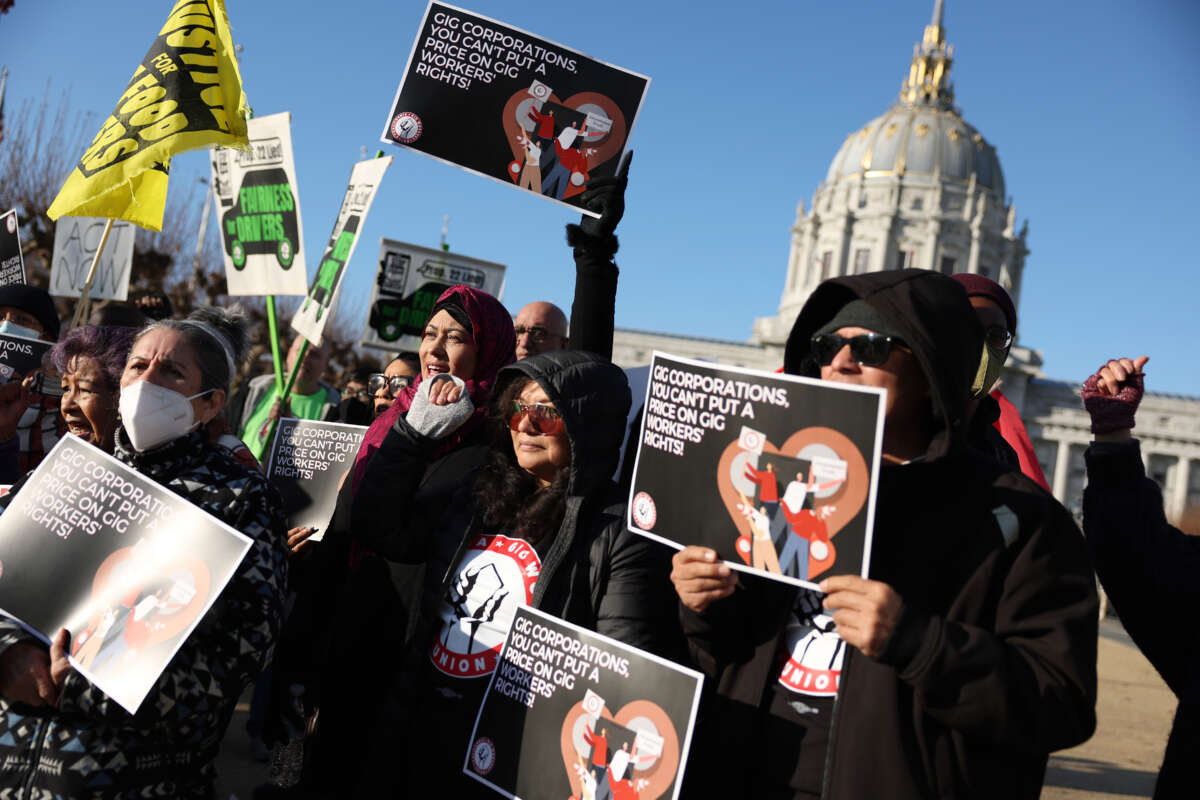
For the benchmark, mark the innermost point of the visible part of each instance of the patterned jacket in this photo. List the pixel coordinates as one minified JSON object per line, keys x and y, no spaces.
{"x":91,"y":747}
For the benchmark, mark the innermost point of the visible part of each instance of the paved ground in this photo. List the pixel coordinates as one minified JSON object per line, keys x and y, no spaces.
{"x":1134,"y":712}
{"x":237,"y":771}
{"x":1134,"y":716}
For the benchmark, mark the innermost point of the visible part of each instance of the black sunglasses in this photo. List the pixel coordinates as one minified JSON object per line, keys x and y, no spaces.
{"x":868,"y":349}
{"x":395,"y":385}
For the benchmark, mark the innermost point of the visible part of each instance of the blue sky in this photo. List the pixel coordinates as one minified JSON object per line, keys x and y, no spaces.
{"x":1093,"y":107}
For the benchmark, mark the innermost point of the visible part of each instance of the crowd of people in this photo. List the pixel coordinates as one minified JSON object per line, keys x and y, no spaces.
{"x":965,"y":658}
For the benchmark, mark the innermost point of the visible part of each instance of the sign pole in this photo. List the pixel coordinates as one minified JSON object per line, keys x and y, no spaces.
{"x":287,"y":390}
{"x":273,"y":332}
{"x":85,"y":301}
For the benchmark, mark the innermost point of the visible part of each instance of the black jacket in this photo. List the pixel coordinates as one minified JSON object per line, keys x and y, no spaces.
{"x":983,"y":436}
{"x":593,"y":307}
{"x":992,"y":663}
{"x":1149,"y":570}
{"x":593,"y":572}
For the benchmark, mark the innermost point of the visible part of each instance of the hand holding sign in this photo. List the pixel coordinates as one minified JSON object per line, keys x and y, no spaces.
{"x":864,"y":611}
{"x":60,"y":666}
{"x":700,"y":578}
{"x":606,"y":196}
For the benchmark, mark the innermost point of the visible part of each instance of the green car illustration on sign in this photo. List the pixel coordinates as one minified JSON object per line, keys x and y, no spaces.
{"x":263,"y":220}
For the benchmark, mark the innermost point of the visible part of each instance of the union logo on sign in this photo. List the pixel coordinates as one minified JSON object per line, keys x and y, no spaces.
{"x":496,"y":575}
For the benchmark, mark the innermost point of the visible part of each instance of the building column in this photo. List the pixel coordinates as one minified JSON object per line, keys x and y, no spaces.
{"x":1062,"y":467}
{"x":807,"y":246}
{"x":931,"y":259}
{"x":1180,"y":488}
{"x":976,"y":236}
{"x":841,"y":258}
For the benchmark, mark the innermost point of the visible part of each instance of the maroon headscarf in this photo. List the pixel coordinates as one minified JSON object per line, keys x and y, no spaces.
{"x":492,"y":328}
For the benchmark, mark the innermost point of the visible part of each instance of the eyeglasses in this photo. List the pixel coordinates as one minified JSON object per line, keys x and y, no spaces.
{"x":395,"y":385}
{"x":536,"y":334}
{"x":868,"y":349}
{"x":544,"y":418}
{"x":998,"y":338}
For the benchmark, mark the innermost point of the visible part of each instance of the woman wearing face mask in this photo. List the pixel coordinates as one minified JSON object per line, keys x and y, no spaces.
{"x":346,"y":591}
{"x":176,"y":379}
{"x":540,"y":525}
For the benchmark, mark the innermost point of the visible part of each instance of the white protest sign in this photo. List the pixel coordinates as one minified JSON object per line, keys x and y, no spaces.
{"x":126,"y":565}
{"x":258,"y":211}
{"x":75,"y":243}
{"x":318,"y":307}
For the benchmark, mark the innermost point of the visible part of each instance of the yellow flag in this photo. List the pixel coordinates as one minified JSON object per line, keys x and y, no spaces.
{"x":186,"y":94}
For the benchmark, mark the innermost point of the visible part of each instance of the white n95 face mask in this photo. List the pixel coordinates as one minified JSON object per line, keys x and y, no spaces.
{"x":153,"y":414}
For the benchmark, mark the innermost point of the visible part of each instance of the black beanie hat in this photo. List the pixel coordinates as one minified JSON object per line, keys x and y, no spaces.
{"x":860,"y":314}
{"x":455,"y":309}
{"x":33,"y":300}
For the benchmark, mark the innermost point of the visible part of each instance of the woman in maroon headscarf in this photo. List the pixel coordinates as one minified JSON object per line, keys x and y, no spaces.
{"x":354,"y":609}
{"x":472,"y":339}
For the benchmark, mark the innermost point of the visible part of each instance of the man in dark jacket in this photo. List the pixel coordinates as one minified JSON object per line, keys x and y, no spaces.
{"x":1148,"y":567}
{"x":972,"y":647}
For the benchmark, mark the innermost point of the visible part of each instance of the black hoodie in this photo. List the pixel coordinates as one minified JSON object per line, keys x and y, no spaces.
{"x":992,"y":662}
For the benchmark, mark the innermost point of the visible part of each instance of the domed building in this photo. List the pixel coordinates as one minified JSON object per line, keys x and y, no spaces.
{"x":919,"y":186}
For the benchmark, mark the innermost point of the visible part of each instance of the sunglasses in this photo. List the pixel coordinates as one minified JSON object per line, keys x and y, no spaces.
{"x":394,"y":385}
{"x":543,"y":418}
{"x":868,"y":349}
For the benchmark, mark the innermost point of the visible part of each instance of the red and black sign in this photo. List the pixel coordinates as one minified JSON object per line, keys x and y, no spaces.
{"x":508,"y":105}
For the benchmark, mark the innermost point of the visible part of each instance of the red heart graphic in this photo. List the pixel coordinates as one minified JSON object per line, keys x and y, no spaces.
{"x":655,"y":779}
{"x":605,"y":147}
{"x":834,"y":510}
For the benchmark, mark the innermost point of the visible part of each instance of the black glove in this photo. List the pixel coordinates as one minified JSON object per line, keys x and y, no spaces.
{"x":606,"y":196}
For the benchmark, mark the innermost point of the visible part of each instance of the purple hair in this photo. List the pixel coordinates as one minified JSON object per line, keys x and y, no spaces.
{"x":108,"y":344}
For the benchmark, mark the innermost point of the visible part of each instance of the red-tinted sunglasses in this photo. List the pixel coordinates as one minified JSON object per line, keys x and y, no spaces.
{"x":545,"y":419}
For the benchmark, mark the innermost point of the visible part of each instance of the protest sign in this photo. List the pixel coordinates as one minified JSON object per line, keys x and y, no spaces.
{"x":123,"y":563}
{"x":776,"y":473}
{"x":307,"y":462}
{"x":75,"y":242}
{"x":508,"y":105}
{"x":316,"y":309}
{"x":12,"y":261}
{"x":20,"y":355}
{"x":258,"y":205}
{"x":185,"y":94}
{"x":409,"y":282}
{"x":571,"y":713}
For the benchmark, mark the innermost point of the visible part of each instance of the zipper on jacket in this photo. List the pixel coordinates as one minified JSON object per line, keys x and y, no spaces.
{"x":827,"y":774}
{"x":36,"y":757}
